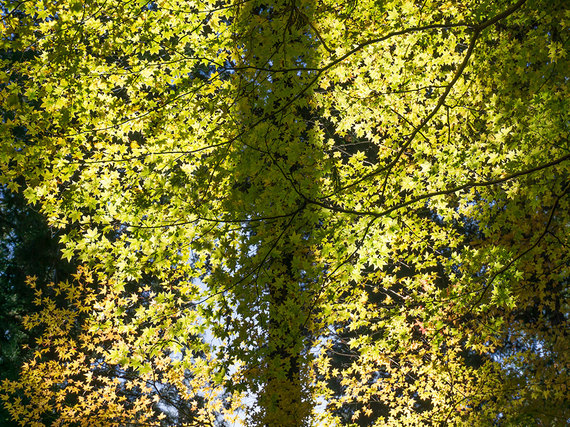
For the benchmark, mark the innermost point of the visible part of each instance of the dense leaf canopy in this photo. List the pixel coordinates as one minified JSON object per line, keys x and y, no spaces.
{"x":343,"y":211}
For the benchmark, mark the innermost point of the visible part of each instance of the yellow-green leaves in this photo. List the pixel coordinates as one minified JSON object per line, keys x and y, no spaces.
{"x":354,"y":204}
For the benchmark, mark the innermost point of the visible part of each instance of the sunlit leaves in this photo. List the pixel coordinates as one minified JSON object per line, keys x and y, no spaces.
{"x":289,"y":178}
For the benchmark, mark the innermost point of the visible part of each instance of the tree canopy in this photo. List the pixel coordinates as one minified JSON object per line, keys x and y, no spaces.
{"x":292,"y":212}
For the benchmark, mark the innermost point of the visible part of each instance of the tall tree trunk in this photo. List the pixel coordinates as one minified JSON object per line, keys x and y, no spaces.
{"x":282,"y":397}
{"x":276,"y":133}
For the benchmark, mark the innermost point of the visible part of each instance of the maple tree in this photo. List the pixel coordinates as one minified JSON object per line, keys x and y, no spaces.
{"x":253,"y":186}
{"x":26,"y":249}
